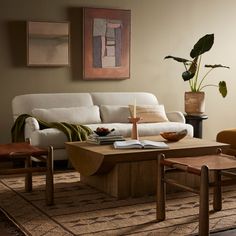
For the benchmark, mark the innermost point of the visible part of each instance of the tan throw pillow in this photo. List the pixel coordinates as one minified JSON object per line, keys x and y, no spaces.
{"x":114,"y":114}
{"x":149,"y":113}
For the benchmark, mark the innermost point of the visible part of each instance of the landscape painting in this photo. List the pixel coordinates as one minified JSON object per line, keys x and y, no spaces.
{"x":48,"y":43}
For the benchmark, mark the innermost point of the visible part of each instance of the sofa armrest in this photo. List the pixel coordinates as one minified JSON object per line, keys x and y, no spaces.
{"x":31,"y":125}
{"x":176,"y":116}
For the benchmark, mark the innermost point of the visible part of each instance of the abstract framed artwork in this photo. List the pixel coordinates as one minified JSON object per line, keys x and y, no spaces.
{"x":48,"y":43}
{"x":106,"y":43}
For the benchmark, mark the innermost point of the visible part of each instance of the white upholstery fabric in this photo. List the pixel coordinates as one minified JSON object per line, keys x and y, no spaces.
{"x":114,"y":114}
{"x":71,"y":115}
{"x":145,"y":129}
{"x":46,"y":137}
{"x":175,"y":116}
{"x":124,"y":98}
{"x":26,"y":103}
{"x":31,"y":125}
{"x":149,"y":129}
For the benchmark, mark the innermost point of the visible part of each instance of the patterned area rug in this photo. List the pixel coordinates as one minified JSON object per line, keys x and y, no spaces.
{"x":81,"y":210}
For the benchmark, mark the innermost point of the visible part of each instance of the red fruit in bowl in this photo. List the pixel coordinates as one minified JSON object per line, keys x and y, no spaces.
{"x":102,"y":131}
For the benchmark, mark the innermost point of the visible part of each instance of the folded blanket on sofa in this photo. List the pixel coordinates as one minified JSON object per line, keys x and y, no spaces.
{"x":74,"y":132}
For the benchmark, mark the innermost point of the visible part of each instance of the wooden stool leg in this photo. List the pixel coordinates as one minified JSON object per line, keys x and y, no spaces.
{"x":49,"y":178}
{"x":160,"y":212}
{"x":204,"y":202}
{"x":217,"y":195}
{"x":28,"y":176}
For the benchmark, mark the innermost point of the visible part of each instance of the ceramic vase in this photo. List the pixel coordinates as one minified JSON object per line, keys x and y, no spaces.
{"x":194,"y":103}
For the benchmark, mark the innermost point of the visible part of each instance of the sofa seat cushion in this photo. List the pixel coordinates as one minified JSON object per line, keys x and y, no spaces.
{"x":150,"y":129}
{"x":145,"y":129}
{"x":56,"y":138}
{"x":71,"y":115}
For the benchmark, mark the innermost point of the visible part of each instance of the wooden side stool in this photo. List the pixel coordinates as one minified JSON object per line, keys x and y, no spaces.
{"x":25,"y":151}
{"x":200,"y":166}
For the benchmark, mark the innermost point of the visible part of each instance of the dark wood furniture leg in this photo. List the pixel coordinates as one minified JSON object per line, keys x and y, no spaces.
{"x":217,"y":195}
{"x":28,"y":175}
{"x":161,"y":195}
{"x":49,"y":177}
{"x":204,"y":202}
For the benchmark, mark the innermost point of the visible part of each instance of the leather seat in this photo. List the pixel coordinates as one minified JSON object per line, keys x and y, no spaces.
{"x":228,"y":136}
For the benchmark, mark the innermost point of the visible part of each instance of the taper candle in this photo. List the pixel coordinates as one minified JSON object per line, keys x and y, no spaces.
{"x":134,"y":108}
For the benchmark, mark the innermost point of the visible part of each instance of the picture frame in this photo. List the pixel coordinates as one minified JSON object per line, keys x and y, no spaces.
{"x":48,"y":43}
{"x":106,"y":43}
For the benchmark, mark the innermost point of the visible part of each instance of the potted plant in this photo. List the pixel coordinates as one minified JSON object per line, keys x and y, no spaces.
{"x":195,"y":99}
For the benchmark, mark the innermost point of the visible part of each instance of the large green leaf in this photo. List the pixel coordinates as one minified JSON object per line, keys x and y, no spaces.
{"x":217,"y":66}
{"x":179,"y":59}
{"x":187,"y":75}
{"x":223,"y":88}
{"x":203,"y":45}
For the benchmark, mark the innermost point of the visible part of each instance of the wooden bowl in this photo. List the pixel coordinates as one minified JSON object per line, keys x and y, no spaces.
{"x":174,"y":136}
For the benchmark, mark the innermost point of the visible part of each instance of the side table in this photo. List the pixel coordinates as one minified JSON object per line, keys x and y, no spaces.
{"x":25,"y":151}
{"x":196,"y":122}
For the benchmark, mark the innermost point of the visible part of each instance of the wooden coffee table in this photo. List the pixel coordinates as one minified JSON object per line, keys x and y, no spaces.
{"x":130,"y":172}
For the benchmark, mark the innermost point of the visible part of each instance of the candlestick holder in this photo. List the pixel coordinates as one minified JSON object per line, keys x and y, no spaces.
{"x":134,"y":132}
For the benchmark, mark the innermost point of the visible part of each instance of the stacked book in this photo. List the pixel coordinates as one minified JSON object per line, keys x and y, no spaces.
{"x":101,"y":140}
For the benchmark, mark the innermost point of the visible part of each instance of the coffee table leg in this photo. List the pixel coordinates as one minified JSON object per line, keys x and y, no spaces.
{"x":160,"y":212}
{"x":49,"y":178}
{"x":217,"y":195}
{"x":204,"y":202}
{"x":28,"y":176}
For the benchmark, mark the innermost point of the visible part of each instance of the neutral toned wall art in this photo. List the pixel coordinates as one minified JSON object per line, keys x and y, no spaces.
{"x":106,"y":43}
{"x":48,"y":43}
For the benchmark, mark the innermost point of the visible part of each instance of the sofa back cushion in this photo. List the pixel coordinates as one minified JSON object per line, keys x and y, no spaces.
{"x":123,"y":98}
{"x":72,"y":115}
{"x":149,"y":113}
{"x":26,"y":103}
{"x":114,"y":114}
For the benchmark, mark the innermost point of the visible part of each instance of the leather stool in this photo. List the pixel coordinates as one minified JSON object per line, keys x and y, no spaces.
{"x":200,"y":166}
{"x":25,"y":151}
{"x":228,"y":136}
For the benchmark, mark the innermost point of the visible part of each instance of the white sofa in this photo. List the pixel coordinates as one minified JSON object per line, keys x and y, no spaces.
{"x":92,"y":109}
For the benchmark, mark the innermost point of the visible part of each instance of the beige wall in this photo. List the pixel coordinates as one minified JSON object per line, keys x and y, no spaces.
{"x":159,"y":28}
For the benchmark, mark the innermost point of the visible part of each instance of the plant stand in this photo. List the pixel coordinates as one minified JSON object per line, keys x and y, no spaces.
{"x":196,"y":122}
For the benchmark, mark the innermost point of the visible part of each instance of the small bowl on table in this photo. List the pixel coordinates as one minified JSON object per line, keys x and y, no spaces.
{"x":101,"y":131}
{"x":174,"y":136}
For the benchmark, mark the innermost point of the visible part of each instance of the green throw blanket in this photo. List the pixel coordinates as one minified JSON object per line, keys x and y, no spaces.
{"x":74,"y":132}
